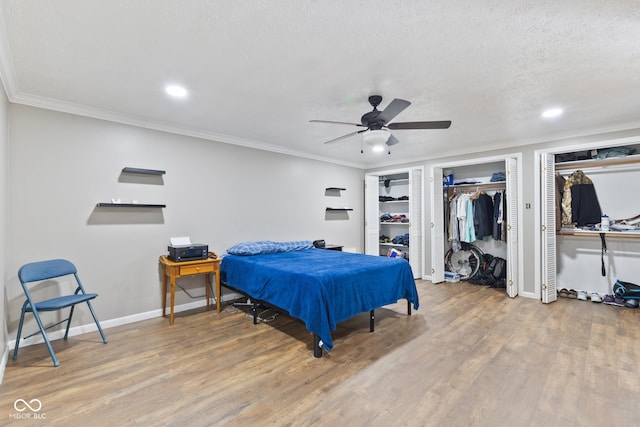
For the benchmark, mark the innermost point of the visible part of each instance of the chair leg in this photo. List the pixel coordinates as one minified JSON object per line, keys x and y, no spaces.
{"x":46,"y":339}
{"x":15,"y":350}
{"x":66,"y":332}
{"x":104,"y":338}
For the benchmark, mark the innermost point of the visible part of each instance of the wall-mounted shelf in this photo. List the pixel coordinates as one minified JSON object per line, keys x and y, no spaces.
{"x":143,"y":171}
{"x":128,"y":205}
{"x":335,"y":189}
{"x":339,"y":209}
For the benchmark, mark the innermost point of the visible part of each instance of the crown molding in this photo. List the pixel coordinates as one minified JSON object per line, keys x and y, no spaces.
{"x":101,"y":114}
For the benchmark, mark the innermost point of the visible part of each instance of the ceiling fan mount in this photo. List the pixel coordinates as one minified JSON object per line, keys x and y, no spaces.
{"x":369,"y":119}
{"x":376,"y":120}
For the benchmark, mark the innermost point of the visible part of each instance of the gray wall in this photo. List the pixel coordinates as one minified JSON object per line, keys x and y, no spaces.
{"x":3,"y":219}
{"x":62,"y":165}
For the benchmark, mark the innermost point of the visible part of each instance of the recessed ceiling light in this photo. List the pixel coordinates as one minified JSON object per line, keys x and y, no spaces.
{"x":176,"y":91}
{"x":552,"y":112}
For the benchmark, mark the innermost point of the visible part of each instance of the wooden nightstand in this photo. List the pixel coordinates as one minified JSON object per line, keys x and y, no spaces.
{"x":174,"y":270}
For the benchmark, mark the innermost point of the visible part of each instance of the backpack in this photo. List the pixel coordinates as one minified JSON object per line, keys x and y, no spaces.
{"x":493,"y":274}
{"x":498,"y":268}
{"x":626,"y":290}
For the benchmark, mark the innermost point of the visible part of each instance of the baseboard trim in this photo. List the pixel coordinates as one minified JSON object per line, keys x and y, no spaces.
{"x":3,"y":362}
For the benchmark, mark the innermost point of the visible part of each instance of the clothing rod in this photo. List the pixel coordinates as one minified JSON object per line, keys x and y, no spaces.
{"x":475,"y":187}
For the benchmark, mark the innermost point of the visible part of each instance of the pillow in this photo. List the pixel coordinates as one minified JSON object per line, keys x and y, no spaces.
{"x":295,"y":245}
{"x":268,"y":247}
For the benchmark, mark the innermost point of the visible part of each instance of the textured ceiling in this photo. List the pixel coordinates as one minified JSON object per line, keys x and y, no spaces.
{"x":258,"y":71}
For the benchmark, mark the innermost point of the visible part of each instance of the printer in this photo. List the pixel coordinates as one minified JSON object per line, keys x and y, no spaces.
{"x":190,"y":252}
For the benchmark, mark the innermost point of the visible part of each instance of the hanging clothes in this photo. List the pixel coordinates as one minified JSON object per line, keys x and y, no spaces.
{"x":483,"y":215}
{"x":461,"y":214}
{"x":470,"y":232}
{"x":499,"y":217}
{"x":453,"y":231}
{"x":579,"y":201}
{"x":560,"y":183}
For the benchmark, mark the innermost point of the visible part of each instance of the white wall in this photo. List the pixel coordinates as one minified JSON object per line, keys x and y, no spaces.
{"x":61,"y":165}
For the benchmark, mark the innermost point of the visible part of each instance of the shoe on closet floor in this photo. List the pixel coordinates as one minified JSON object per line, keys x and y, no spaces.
{"x":618,"y":301}
{"x":564,"y":293}
{"x":631,"y":303}
{"x":572,"y":294}
{"x":595,"y":297}
{"x":608,"y":299}
{"x":582,"y":295}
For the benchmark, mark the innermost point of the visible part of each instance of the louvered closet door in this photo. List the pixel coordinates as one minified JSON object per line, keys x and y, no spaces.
{"x":511,"y":166}
{"x":415,"y":222}
{"x":437,"y":226}
{"x":371,"y":215}
{"x":548,"y":214}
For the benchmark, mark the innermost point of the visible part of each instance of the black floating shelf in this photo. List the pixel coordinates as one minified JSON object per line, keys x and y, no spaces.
{"x":143,"y":171}
{"x":335,"y":189}
{"x":128,"y":205}
{"x":339,"y":209}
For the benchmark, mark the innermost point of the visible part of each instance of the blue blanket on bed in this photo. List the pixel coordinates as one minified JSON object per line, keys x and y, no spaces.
{"x":321,"y":287}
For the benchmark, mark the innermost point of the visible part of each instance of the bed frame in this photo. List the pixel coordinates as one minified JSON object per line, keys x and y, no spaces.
{"x":317,"y":342}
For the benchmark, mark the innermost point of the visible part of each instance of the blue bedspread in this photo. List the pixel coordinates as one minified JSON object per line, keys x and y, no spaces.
{"x":321,"y":287}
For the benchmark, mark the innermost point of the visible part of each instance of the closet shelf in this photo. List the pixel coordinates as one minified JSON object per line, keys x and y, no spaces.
{"x":129,"y":205}
{"x":597,"y":163}
{"x":335,"y":189}
{"x":339,"y":209}
{"x":591,"y":233}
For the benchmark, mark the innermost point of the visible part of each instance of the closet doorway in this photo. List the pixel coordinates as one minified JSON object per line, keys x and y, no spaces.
{"x":393,"y":215}
{"x":510,"y":165}
{"x":573,"y":258}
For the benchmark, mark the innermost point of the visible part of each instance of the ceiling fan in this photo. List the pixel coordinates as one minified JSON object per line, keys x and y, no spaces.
{"x":377,"y":126}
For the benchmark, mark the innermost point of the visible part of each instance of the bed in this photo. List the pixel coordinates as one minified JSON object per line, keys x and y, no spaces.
{"x":320,"y":287}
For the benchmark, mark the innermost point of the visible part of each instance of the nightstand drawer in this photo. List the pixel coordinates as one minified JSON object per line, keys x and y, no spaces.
{"x":186,"y":270}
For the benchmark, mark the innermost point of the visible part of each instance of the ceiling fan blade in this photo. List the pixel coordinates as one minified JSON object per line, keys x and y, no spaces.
{"x":396,"y":107}
{"x":392,"y":141}
{"x":420,"y":125}
{"x":345,"y":136}
{"x":336,"y":123}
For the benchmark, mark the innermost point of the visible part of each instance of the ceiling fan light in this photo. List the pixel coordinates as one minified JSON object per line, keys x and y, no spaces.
{"x":376,"y":137}
{"x":378,"y":148}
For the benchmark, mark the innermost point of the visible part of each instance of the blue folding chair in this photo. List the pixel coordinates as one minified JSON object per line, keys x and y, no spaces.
{"x":39,"y":272}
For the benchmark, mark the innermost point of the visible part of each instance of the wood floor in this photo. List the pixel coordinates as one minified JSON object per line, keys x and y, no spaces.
{"x":468,"y":356}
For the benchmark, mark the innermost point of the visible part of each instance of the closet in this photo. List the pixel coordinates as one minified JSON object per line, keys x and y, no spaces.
{"x":470,"y":179}
{"x":574,"y":257}
{"x":393,"y":216}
